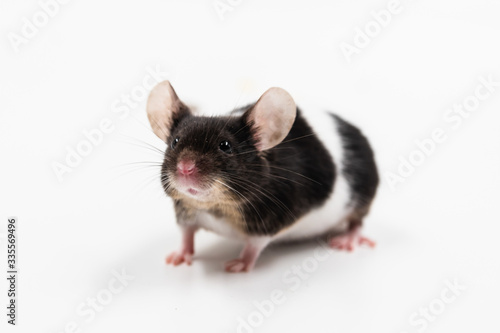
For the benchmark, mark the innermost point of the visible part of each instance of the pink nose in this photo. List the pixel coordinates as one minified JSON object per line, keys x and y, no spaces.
{"x":186,"y":167}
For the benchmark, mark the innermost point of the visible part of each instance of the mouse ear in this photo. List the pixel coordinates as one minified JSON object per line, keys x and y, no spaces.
{"x":271,"y":118}
{"x":164,"y":109}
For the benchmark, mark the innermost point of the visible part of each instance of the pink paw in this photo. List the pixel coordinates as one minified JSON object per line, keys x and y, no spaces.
{"x":349,"y":240}
{"x":238,"y":265}
{"x":177,"y":258}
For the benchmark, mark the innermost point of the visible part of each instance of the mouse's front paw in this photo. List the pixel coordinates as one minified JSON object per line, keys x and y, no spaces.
{"x":177,"y":258}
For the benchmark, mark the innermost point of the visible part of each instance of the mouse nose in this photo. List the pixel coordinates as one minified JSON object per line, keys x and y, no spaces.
{"x":186,"y":167}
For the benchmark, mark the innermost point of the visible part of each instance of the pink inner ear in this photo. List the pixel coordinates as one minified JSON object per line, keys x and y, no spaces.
{"x":260,"y":125}
{"x":161,"y":106}
{"x":273,"y":116}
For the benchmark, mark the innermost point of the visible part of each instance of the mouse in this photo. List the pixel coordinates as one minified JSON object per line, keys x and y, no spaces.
{"x":264,"y":173}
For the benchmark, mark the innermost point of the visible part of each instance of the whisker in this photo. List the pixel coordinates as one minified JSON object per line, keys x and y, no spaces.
{"x":279,"y":168}
{"x":258,"y":151}
{"x":143,"y":144}
{"x":298,"y":138}
{"x":270,"y":176}
{"x":246,"y":125}
{"x":244,"y":198}
{"x":263,"y":191}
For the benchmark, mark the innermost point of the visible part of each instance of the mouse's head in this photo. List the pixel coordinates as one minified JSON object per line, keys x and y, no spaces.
{"x":217,"y":159}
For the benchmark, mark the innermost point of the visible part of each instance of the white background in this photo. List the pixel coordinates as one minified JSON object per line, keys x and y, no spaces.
{"x":107,"y":215}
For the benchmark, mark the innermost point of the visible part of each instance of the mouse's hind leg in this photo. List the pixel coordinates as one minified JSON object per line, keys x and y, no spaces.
{"x":352,"y":237}
{"x":248,"y":256}
{"x":348,"y":240}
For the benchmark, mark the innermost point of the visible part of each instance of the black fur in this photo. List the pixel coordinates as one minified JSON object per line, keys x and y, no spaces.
{"x":359,"y":166}
{"x":301,"y":177}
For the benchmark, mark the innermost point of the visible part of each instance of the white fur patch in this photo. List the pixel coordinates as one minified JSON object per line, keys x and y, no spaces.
{"x":219,"y":226}
{"x":333,"y":213}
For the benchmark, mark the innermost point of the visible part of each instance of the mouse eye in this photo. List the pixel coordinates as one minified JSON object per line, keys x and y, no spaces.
{"x":174,"y":143}
{"x":225,"y":146}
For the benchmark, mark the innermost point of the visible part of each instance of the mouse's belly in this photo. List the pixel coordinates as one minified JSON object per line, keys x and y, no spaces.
{"x":218,"y":225}
{"x":331,"y":216}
